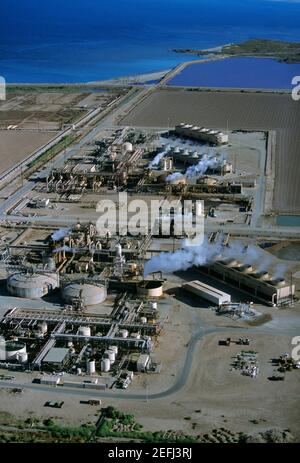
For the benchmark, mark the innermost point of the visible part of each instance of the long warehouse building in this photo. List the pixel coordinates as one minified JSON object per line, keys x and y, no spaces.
{"x":207,"y":292}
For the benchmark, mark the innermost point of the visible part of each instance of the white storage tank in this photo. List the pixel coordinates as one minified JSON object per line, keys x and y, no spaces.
{"x":30,"y":285}
{"x":42,"y":327}
{"x":110,"y":355}
{"x":9,"y":350}
{"x":114,"y":349}
{"x":84,"y":331}
{"x":90,"y":294}
{"x":105,"y":365}
{"x":143,"y":320}
{"x":118,"y":250}
{"x":90,"y":367}
{"x":153,"y":305}
{"x":123,"y":333}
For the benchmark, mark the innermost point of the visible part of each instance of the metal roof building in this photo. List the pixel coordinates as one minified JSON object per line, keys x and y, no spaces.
{"x":56,"y":355}
{"x":207,"y":292}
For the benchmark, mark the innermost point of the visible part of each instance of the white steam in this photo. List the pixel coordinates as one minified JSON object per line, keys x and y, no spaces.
{"x":159,"y":157}
{"x":63,"y":248}
{"x":60,"y":234}
{"x":204,"y":252}
{"x":197,"y":170}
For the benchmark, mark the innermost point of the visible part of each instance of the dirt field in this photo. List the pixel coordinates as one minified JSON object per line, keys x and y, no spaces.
{"x":252,"y":111}
{"x":48,"y":110}
{"x":17,"y":145}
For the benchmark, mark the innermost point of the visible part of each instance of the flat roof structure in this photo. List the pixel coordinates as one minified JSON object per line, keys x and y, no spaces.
{"x":207,"y":292}
{"x":56,"y":355}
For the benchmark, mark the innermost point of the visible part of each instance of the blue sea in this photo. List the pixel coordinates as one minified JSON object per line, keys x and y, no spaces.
{"x":264,"y":73}
{"x":88,"y":40}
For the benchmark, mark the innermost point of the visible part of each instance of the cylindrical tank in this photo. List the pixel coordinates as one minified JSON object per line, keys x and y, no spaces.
{"x":70,"y":344}
{"x":150,"y":288}
{"x":153,"y":305}
{"x":31,"y":286}
{"x":114,"y":349}
{"x":84,"y":331}
{"x":105,"y":364}
{"x":90,"y":367}
{"x":12,"y":349}
{"x":42,"y":327}
{"x":110,"y":355}
{"x":72,"y":350}
{"x":90,"y":294}
{"x":118,"y":250}
{"x":143,"y":320}
{"x":123,"y":333}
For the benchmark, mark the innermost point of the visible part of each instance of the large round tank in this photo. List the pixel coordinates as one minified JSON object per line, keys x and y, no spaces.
{"x":90,"y":294}
{"x":150,"y":288}
{"x":13,"y":348}
{"x":31,"y":286}
{"x":84,"y":331}
{"x":105,"y":365}
{"x":90,"y":367}
{"x":143,"y":320}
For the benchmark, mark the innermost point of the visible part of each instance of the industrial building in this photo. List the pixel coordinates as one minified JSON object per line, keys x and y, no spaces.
{"x":201,"y":134}
{"x":207,"y":292}
{"x":56,"y":358}
{"x":258,"y":284}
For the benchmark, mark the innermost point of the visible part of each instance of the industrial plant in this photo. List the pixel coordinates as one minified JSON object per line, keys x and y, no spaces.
{"x":106,"y":292}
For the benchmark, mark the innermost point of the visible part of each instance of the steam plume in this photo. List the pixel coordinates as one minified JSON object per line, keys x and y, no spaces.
{"x":158,"y":157}
{"x":59,"y":234}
